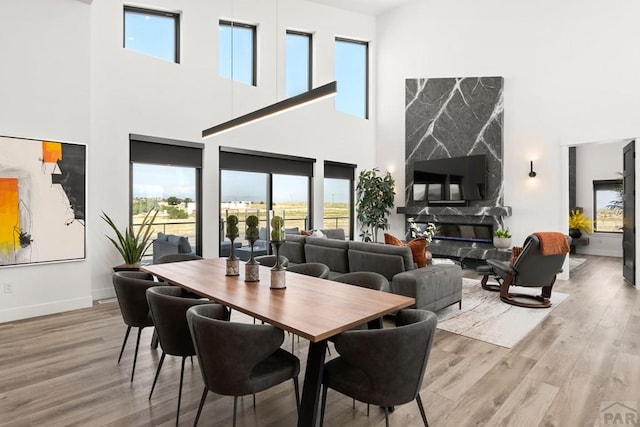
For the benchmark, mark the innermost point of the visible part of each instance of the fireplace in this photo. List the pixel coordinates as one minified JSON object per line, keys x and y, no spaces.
{"x":479,"y":233}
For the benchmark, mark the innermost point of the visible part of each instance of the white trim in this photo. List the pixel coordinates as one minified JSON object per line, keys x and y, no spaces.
{"x":103,"y":293}
{"x":54,"y":307}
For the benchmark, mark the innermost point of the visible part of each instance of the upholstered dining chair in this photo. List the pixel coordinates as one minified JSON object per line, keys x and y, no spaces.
{"x":270,"y":260}
{"x":536,"y":266}
{"x":238,"y":359}
{"x":169,"y":313}
{"x":315,"y":269}
{"x":366,"y":279}
{"x":383,"y":367}
{"x":131,"y":288}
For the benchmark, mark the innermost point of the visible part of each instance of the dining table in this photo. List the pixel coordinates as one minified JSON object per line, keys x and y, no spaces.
{"x":312,"y":308}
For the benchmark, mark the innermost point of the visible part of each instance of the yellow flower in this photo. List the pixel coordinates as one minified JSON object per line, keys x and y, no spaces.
{"x":580,"y":221}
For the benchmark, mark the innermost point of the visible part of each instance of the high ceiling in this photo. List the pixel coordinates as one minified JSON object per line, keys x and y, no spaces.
{"x":369,"y":7}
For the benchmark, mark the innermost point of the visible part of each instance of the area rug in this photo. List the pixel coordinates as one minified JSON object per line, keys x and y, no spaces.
{"x":575,"y":262}
{"x":484,"y":317}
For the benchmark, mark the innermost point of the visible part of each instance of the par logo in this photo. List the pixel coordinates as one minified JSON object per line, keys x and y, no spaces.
{"x":619,"y":414}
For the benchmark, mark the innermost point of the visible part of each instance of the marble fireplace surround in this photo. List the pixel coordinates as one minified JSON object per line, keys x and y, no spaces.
{"x":453,"y":117}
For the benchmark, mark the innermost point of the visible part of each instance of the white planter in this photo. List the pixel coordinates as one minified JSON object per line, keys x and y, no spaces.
{"x":502,"y":242}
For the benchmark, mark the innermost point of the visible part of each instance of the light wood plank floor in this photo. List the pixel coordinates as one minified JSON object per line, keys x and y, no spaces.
{"x":61,"y":370}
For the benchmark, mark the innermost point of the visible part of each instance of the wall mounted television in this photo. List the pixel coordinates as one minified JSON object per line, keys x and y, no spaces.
{"x":450,"y":181}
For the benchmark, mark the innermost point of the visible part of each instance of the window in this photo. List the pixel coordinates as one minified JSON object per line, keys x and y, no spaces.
{"x":152,"y":32}
{"x":298,"y":63}
{"x":167,"y":175}
{"x":352,"y":75}
{"x":338,"y":196}
{"x":237,"y":52}
{"x":607,"y":205}
{"x":253,"y":183}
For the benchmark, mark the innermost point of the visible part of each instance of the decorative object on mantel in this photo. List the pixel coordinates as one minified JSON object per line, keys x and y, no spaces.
{"x":252,"y":267}
{"x":579,"y":222}
{"x":502,"y":238}
{"x":132,"y":246}
{"x":278,"y":277}
{"x":374,"y":200}
{"x":233,"y":265}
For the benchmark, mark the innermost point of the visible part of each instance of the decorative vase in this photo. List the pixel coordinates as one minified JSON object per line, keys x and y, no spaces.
{"x":252,"y":267}
{"x":501,"y":242}
{"x":278,"y":277}
{"x":576,"y":233}
{"x":233,"y":264}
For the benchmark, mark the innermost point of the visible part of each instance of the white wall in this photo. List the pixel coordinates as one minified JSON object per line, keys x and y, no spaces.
{"x":597,"y":162}
{"x":69,"y":78}
{"x":569,"y":77}
{"x":44,"y":87}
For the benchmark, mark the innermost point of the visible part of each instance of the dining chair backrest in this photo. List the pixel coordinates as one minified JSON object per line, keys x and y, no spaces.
{"x":315,"y":269}
{"x":169,"y":312}
{"x":364,"y":279}
{"x":131,"y":287}
{"x":229,"y":351}
{"x":270,"y":260}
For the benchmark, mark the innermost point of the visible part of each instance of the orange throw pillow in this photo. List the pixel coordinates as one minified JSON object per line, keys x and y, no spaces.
{"x":304,"y":233}
{"x":418,"y":248}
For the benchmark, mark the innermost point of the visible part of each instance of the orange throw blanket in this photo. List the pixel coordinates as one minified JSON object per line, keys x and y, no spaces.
{"x":552,"y":243}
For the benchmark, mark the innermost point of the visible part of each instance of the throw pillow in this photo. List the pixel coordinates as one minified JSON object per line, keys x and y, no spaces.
{"x":318,"y":233}
{"x":304,"y":233}
{"x":418,"y":248}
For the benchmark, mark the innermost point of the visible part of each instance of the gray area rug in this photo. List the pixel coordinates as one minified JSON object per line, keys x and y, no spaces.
{"x":484,"y":317}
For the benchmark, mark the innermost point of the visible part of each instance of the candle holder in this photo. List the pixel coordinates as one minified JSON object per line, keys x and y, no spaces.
{"x":252,"y":267}
{"x":233,"y":265}
{"x":278,"y":277}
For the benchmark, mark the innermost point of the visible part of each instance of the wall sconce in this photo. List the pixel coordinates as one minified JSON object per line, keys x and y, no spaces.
{"x":532,"y":174}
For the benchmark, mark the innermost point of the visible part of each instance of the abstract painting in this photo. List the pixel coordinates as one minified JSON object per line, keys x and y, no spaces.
{"x":42,"y":201}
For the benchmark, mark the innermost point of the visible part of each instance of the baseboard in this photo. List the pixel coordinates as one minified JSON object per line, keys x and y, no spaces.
{"x":599,"y":252}
{"x":36,"y":310}
{"x":103,"y":293}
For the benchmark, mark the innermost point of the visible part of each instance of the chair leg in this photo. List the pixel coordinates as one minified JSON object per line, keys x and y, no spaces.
{"x":421,"y":408}
{"x":124,"y":342}
{"x":296,"y":388}
{"x":202,"y":399}
{"x":323,"y":403}
{"x":160,"y":362}
{"x":386,"y":416}
{"x":135,"y":355}
{"x":368,"y":409}
{"x":154,"y":340}
{"x":254,"y":400}
{"x":235,"y":405}
{"x":184,"y":358}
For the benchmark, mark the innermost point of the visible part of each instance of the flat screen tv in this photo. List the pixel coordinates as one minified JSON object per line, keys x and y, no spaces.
{"x":453,"y":180}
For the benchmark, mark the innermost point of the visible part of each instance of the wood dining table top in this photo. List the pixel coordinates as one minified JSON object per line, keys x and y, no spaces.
{"x":312,"y":308}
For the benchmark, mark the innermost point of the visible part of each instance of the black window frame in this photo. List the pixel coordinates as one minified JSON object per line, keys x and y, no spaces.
{"x":347,"y":171}
{"x":367,"y":70}
{"x":254,"y":47}
{"x":145,"y":11}
{"x":604,"y":184}
{"x":309,"y":37}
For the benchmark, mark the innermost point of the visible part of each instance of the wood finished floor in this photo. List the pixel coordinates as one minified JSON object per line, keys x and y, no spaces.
{"x":61,"y":370}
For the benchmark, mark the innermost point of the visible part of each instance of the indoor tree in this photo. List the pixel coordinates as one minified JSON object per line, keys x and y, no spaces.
{"x":374,"y":200}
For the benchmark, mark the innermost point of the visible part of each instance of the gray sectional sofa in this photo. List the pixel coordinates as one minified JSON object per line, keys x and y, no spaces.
{"x":433,"y":287}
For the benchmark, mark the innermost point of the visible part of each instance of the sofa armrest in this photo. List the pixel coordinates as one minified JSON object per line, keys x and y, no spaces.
{"x":433,"y":287}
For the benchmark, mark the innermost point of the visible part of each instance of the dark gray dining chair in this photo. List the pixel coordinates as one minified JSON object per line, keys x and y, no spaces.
{"x":131,"y":288}
{"x":315,"y":269}
{"x":369,"y":280}
{"x":169,"y":312}
{"x":238,"y":359}
{"x":383,"y":367}
{"x":270,"y":260}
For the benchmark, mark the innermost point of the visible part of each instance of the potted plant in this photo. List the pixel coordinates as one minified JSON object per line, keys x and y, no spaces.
{"x":579,"y":222}
{"x":374,"y":200}
{"x":502,"y":238}
{"x":132,"y":245}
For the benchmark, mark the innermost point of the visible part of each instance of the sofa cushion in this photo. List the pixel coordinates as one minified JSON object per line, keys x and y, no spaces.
{"x":162,"y":237}
{"x":181,"y":241}
{"x":386,"y":264}
{"x":334,"y":233}
{"x":332,"y":253}
{"x":404,"y":252}
{"x":293,"y":248}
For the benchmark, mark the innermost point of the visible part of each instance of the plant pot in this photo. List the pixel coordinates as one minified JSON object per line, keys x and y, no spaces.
{"x":127,"y":267}
{"x":576,"y":233}
{"x":502,"y":242}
